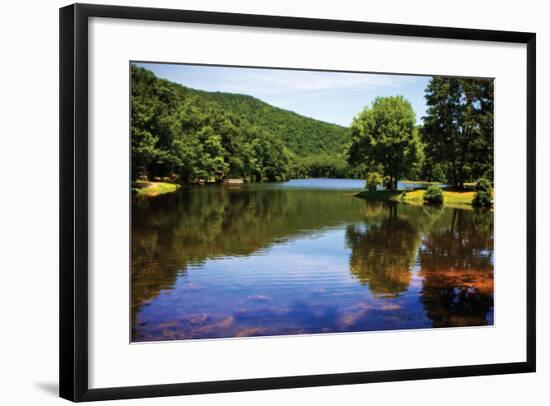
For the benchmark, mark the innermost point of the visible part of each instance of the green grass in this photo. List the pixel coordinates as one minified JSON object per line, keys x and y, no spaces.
{"x":151,"y":189}
{"x":449,"y":197}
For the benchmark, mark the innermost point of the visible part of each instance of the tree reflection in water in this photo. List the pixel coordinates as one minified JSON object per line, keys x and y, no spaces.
{"x":264,"y":260}
{"x":196,"y":224}
{"x":383,"y":251}
{"x":456,"y":260}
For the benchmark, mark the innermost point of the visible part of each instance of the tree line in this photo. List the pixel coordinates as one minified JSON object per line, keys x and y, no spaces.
{"x":196,"y":136}
{"x":453,"y":145}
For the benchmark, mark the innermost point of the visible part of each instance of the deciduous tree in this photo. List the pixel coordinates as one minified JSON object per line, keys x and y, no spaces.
{"x":384,"y":134}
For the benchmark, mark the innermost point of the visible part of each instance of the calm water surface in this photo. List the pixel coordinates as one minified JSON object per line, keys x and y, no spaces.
{"x":302,"y":257}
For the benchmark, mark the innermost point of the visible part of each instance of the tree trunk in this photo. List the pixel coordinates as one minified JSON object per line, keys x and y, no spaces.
{"x":455,"y":174}
{"x":460,"y":183}
{"x":391,"y":183}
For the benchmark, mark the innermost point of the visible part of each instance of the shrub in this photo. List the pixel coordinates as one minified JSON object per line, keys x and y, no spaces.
{"x":483,"y":196}
{"x":483,"y":184}
{"x":373,"y":180}
{"x":433,"y":195}
{"x":438,"y":173}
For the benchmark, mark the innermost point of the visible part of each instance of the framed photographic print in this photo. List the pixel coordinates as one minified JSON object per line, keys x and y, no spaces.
{"x":257,"y":202}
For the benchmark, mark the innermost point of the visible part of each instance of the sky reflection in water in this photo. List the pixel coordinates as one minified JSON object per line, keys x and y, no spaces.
{"x":304,"y":257}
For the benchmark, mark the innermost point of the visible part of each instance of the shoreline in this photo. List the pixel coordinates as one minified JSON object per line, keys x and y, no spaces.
{"x":451,"y":198}
{"x":146,"y":188}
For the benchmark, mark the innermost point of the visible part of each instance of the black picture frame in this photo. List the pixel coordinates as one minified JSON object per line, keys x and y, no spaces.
{"x":74,"y":170}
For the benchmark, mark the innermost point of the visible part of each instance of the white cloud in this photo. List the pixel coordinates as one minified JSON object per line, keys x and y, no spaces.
{"x":283,"y":82}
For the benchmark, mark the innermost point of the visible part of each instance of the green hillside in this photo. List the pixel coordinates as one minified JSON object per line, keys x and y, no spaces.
{"x":303,"y":135}
{"x":194,"y":135}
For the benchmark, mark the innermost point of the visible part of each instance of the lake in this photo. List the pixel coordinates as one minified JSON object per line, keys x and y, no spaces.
{"x":304,"y":257}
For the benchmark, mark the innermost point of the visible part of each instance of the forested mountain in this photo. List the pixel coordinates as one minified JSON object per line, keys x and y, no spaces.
{"x":302,"y":135}
{"x":196,"y":135}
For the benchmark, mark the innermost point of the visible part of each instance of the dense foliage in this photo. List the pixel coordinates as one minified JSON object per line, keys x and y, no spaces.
{"x":483,"y":196}
{"x":458,"y":130}
{"x":384,"y":135}
{"x":433,"y":195}
{"x":302,"y":135}
{"x":374,"y":179}
{"x":194,"y":136}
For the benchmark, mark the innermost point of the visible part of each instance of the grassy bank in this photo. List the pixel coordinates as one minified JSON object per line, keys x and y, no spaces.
{"x":450,"y":197}
{"x":150,"y":189}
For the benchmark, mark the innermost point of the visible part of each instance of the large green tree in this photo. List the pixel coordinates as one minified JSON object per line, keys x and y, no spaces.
{"x":458,"y":128}
{"x":384,"y":135}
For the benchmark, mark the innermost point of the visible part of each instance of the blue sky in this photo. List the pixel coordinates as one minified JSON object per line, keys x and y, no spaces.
{"x":329,"y":96}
